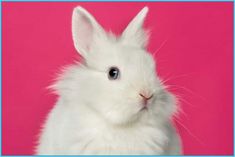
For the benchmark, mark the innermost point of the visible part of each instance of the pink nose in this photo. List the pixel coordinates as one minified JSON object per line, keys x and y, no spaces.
{"x":145,"y":98}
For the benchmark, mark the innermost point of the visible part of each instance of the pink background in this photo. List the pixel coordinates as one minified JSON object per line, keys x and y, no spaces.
{"x":197,"y":58}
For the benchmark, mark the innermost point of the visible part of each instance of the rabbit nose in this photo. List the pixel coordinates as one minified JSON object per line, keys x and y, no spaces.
{"x":146,"y":97}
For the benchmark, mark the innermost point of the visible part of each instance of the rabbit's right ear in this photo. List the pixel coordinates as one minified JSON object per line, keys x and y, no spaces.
{"x":84,"y":30}
{"x":134,"y":33}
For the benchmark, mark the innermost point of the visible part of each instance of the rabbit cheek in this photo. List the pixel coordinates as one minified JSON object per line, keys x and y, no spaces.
{"x":121,"y":113}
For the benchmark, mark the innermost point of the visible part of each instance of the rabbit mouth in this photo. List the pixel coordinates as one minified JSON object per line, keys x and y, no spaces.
{"x":145,"y":103}
{"x":143,"y":109}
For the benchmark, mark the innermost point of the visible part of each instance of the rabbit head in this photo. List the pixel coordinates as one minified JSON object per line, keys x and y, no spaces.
{"x":117,"y":77}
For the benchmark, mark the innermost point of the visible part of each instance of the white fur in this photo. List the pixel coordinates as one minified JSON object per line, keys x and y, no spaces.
{"x":95,"y":115}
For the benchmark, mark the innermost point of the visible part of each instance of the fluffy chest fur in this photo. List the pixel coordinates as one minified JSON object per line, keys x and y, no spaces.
{"x":76,"y":132}
{"x":143,"y":141}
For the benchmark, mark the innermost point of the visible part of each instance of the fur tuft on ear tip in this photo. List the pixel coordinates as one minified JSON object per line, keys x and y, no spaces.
{"x":77,"y":11}
{"x":144,"y":11}
{"x":81,"y":11}
{"x":79,"y":8}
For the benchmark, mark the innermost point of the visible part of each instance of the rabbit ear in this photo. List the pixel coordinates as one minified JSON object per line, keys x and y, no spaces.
{"x":84,"y":30}
{"x":134,"y":32}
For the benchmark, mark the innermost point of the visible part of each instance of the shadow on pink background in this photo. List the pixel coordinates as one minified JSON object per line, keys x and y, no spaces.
{"x":197,"y":61}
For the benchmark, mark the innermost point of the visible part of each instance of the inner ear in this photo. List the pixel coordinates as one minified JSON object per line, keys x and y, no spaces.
{"x":84,"y":32}
{"x":84,"y":29}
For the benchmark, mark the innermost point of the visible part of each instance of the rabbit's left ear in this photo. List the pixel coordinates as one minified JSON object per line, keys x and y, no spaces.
{"x":134,"y":33}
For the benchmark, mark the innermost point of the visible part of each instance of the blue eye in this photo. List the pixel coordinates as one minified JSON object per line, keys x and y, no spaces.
{"x":113,"y":73}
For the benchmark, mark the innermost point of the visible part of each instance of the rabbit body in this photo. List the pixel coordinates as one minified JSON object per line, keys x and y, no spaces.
{"x":122,"y":111}
{"x":64,"y":134}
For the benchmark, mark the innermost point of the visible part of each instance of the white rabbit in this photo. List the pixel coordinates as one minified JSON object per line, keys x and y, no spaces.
{"x":112,"y":103}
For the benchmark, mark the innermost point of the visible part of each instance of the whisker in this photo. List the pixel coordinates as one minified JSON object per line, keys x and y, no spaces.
{"x":180,"y":112}
{"x":156,"y":52}
{"x":189,"y":132}
{"x":175,"y":77}
{"x":187,"y":90}
{"x":183,"y":100}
